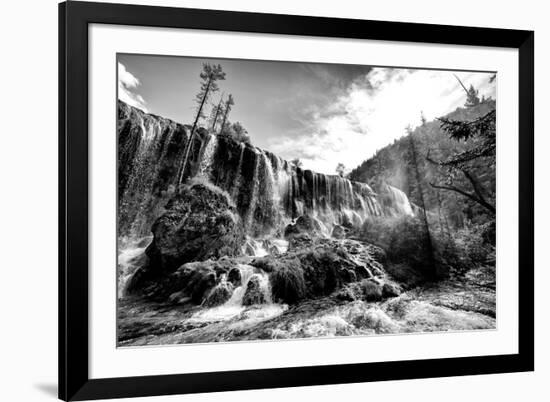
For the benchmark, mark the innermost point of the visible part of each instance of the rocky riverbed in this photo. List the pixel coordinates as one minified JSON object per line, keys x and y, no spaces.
{"x":448,"y":306}
{"x":316,"y":286}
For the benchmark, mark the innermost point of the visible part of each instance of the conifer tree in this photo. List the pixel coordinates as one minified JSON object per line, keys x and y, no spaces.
{"x":210,"y":75}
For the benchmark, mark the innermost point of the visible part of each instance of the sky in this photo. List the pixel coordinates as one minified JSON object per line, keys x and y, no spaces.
{"x":323,"y":114}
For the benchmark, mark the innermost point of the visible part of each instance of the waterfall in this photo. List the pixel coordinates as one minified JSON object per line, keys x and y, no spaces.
{"x":237,"y":183}
{"x":148,"y":146}
{"x":269,"y":193}
{"x":233,"y":307}
{"x":395,"y":201}
{"x":130,"y":257}
{"x":265,"y":246}
{"x":237,"y":297}
{"x":207,"y":156}
{"x":254,"y":193}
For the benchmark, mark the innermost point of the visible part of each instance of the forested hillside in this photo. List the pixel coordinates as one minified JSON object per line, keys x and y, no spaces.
{"x":411,"y":164}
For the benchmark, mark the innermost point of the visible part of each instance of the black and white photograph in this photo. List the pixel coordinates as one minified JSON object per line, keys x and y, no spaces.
{"x":266,"y":200}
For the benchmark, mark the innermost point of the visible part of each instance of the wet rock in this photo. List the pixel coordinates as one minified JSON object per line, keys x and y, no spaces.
{"x":234,"y":277}
{"x":390,"y":290}
{"x":179,"y":298}
{"x":249,"y":249}
{"x":338,"y":232}
{"x":144,"y":242}
{"x":287,"y":281}
{"x":300,"y":241}
{"x":347,"y":221}
{"x":219,"y":294}
{"x":325,"y":267}
{"x":192,"y":280}
{"x":201,"y":222}
{"x":253,"y":294}
{"x":378,"y":253}
{"x":350,"y":275}
{"x":364,"y":272}
{"x":372,"y":291}
{"x":350,"y":292}
{"x":377,"y":271}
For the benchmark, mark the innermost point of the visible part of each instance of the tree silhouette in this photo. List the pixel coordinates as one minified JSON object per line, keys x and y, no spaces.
{"x":209,"y":76}
{"x":481,"y":133}
{"x":297,"y":163}
{"x":226,"y":109}
{"x":472,"y":97}
{"x":341,"y":169}
{"x":472,"y":94}
{"x":237,"y":132}
{"x":216,"y":113}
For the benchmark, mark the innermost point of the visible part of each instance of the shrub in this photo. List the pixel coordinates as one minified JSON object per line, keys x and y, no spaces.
{"x":287,"y":282}
{"x":350,"y":292}
{"x":372,"y":291}
{"x":471,"y":249}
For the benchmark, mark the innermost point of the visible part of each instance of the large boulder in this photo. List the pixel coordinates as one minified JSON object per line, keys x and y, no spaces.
{"x":234,"y":276}
{"x":219,"y":294}
{"x":194,"y":282}
{"x":338,"y":232}
{"x":254,"y":293}
{"x":200,"y":222}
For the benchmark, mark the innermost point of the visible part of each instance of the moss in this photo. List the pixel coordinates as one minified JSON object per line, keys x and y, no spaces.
{"x":372,"y":291}
{"x":219,"y":294}
{"x":287,"y":282}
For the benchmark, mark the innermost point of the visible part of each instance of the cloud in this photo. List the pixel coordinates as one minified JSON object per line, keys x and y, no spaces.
{"x":127,"y":84}
{"x":374,"y":111}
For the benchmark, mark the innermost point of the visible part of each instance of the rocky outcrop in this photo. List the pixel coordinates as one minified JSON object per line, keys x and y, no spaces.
{"x":254,"y":293}
{"x":201,"y":222}
{"x":318,"y":270}
{"x":219,"y":294}
{"x":338,"y":232}
{"x":315,"y":271}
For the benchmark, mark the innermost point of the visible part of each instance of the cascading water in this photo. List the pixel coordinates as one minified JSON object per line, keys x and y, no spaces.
{"x":234,"y":307}
{"x":207,"y":156}
{"x":130,"y":258}
{"x":268,"y":191}
{"x":237,"y":183}
{"x":395,"y":201}
{"x":148,"y":147}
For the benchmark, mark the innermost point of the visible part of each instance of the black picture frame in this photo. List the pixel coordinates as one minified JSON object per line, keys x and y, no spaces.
{"x":74,"y":381}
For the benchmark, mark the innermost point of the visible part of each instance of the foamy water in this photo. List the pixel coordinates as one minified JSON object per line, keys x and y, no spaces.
{"x":129,"y":254}
{"x":233,"y":308}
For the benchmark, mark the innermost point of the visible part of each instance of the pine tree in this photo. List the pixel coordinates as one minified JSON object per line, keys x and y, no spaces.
{"x":481,"y":133}
{"x":341,"y":169}
{"x":472,"y":97}
{"x":216,"y":113}
{"x":226,"y":109}
{"x":423,"y":215}
{"x":209,"y":76}
{"x":472,"y":94}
